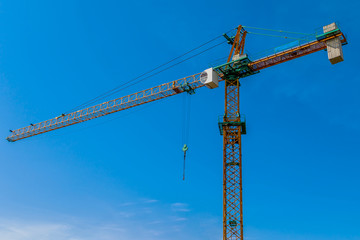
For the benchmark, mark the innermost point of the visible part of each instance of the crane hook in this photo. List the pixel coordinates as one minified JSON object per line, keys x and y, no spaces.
{"x":184,"y":149}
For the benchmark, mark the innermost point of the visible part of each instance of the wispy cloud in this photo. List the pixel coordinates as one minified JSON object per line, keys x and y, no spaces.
{"x":150,"y":200}
{"x":180,"y":207}
{"x":15,"y":230}
{"x":156,"y":222}
{"x":125,"y":214}
{"x":112,"y":227}
{"x":129,"y":222}
{"x":127,"y":204}
{"x":180,"y":219}
{"x":147,"y":210}
{"x":26,"y":230}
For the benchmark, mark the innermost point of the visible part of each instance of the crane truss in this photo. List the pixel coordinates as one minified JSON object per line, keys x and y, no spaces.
{"x":296,"y":52}
{"x":232,"y":169}
{"x":174,"y":87}
{"x":149,"y":95}
{"x":237,"y":66}
{"x":232,"y":173}
{"x":232,"y":127}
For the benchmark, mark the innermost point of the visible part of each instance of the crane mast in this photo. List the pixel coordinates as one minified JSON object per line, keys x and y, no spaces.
{"x":231,"y":130}
{"x":231,"y":126}
{"x":239,"y":66}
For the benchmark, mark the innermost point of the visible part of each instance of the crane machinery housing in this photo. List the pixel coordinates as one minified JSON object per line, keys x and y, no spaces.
{"x":232,"y":124}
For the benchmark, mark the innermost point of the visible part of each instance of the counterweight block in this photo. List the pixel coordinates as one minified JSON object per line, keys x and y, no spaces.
{"x":334,"y":46}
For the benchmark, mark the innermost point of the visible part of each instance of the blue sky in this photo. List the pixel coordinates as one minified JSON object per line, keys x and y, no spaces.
{"x":120,"y":177}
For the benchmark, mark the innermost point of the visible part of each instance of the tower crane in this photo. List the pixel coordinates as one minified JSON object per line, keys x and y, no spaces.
{"x":232,"y":124}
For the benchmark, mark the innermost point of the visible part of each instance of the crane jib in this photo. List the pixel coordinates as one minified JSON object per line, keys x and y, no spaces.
{"x":243,"y":67}
{"x":116,"y":105}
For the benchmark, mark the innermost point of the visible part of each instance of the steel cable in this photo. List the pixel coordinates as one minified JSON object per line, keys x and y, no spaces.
{"x":122,"y":86}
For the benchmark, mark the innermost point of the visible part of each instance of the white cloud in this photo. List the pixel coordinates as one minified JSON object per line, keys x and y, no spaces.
{"x":124,"y":214}
{"x":178,"y":219}
{"x":129,"y":222}
{"x":180,"y":207}
{"x":150,"y":201}
{"x":156,"y":222}
{"x":12,"y":230}
{"x":26,"y":230}
{"x":126,"y":204}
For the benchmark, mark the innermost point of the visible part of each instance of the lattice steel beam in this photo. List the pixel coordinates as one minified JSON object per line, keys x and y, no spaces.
{"x":232,"y":177}
{"x":293,"y":53}
{"x":116,"y":105}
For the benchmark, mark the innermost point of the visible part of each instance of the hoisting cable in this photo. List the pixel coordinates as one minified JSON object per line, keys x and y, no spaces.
{"x":186,"y":126}
{"x":118,"y":88}
{"x":270,"y":35}
{"x":161,"y":71}
{"x":305,"y":36}
{"x":282,"y":31}
{"x":115,"y":90}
